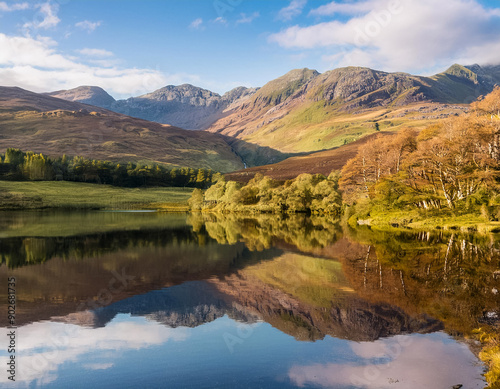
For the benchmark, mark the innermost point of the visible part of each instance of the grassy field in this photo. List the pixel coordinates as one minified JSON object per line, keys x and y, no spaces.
{"x":72,"y":195}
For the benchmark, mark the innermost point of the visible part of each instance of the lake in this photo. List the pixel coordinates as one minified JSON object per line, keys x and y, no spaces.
{"x":155,"y":300}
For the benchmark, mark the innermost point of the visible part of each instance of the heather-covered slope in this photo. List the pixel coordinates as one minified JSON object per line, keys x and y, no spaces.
{"x":41,"y":123}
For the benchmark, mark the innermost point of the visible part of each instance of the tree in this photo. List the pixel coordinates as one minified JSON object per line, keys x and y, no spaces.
{"x":14,"y":156}
{"x":37,"y":167}
{"x":195,"y":202}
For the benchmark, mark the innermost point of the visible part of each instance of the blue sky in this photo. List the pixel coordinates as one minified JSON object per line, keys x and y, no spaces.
{"x":134,"y":47}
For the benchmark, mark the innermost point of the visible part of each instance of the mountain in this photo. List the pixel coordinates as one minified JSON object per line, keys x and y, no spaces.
{"x":304,"y":111}
{"x":184,"y":106}
{"x":92,"y":95}
{"x":53,"y":126}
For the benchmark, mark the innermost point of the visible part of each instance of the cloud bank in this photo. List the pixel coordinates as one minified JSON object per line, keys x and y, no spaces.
{"x":400,"y":34}
{"x":36,"y":65}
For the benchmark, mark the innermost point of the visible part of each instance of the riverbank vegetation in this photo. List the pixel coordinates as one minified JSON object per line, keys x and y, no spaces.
{"x":313,"y":194}
{"x":445,"y":176}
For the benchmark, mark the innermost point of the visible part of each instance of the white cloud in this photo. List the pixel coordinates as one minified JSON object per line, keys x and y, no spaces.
{"x":105,"y":63}
{"x":88,"y":26}
{"x":26,"y":51}
{"x":36,"y":65}
{"x":197,"y":24}
{"x":46,"y":346}
{"x":98,"y":366}
{"x":95,"y":52}
{"x":429,"y":361}
{"x":342,"y":8}
{"x":245,"y":19}
{"x":45,"y":18}
{"x":292,"y":10}
{"x":220,"y":20}
{"x":402,"y":34}
{"x":4,"y":7}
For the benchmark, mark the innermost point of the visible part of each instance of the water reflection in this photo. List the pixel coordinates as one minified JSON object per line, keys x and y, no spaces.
{"x":244,"y":302}
{"x":410,"y":362}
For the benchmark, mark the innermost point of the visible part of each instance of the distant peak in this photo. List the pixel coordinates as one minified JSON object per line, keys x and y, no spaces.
{"x":93,"y":95}
{"x":304,"y":72}
{"x":465,"y":72}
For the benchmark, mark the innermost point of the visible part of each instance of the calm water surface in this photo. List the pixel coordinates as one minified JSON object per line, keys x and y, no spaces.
{"x":151,"y":300}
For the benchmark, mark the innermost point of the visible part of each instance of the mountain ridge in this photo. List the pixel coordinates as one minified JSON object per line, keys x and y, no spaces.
{"x":348,"y":83}
{"x":188,"y":106}
{"x":305,"y":111}
{"x":345,"y":104}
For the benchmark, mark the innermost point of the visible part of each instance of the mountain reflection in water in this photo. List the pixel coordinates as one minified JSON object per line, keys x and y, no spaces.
{"x":159,"y":300}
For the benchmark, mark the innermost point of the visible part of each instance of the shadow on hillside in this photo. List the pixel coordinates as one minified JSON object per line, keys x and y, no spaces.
{"x":254,"y":155}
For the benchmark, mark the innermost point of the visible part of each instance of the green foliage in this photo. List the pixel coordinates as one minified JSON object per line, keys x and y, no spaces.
{"x":195,"y":202}
{"x":14,"y":156}
{"x":305,"y":194}
{"x":258,"y":231}
{"x":36,"y":167}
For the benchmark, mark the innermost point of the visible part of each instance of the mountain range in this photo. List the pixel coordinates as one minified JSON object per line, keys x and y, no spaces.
{"x":188,"y":106}
{"x":299,"y":113}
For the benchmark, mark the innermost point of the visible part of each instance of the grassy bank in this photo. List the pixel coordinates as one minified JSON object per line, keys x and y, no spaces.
{"x":490,"y":354}
{"x":444,"y":219}
{"x":71,"y":195}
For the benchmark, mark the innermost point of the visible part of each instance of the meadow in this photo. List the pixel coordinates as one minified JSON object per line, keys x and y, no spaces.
{"x":71,"y":195}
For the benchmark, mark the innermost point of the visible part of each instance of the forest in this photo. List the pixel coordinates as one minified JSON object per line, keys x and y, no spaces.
{"x":16,"y":165}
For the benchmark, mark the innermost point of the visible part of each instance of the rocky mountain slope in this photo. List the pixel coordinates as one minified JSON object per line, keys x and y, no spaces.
{"x":184,"y":106}
{"x":53,"y":126}
{"x":308,"y":111}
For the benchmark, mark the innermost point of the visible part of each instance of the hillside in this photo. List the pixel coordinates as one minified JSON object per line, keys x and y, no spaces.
{"x":41,"y":123}
{"x":304,"y":111}
{"x":323,"y":162}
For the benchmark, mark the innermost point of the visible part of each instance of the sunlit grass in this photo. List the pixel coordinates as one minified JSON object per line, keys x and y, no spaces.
{"x":490,"y":355}
{"x":71,"y":195}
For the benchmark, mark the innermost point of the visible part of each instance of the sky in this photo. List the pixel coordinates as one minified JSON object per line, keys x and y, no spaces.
{"x":131,"y":47}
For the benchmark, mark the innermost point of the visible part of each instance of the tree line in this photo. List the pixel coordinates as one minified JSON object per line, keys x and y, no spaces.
{"x":18,"y":165}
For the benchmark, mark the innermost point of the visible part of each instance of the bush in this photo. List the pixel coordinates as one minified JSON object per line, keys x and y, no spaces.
{"x":305,"y":194}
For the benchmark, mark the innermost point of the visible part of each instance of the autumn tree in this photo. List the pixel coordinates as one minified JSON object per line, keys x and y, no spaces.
{"x":374,"y":161}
